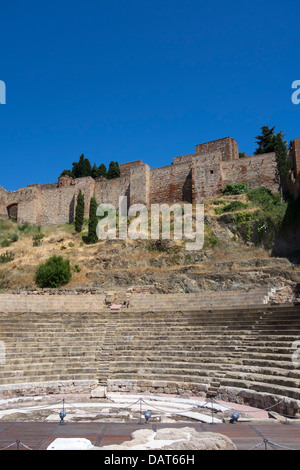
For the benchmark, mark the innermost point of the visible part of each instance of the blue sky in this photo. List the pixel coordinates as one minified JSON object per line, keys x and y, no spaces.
{"x":127,"y":80}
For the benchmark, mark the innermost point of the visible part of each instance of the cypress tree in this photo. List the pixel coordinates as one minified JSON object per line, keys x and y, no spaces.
{"x":113,"y":170}
{"x":92,"y":233}
{"x":102,"y":170}
{"x":282,"y":162}
{"x":82,"y":168}
{"x":95,"y":171}
{"x":79,"y":212}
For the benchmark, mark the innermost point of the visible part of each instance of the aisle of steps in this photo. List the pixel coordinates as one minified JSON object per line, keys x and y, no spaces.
{"x":107,"y":351}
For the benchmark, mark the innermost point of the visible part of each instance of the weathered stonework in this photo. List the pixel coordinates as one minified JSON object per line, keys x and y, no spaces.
{"x":191,"y":178}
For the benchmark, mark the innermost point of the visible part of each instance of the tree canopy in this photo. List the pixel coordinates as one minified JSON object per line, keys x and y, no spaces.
{"x":83,"y":168}
{"x":267,"y":142}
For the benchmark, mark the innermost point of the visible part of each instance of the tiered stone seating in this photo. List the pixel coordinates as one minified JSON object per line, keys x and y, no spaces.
{"x":237,"y":348}
{"x":163,"y":343}
{"x":194,"y":301}
{"x":50,"y":352}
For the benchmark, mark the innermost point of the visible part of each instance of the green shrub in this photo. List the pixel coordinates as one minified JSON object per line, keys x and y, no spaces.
{"x":232,"y":206}
{"x":5,"y":243}
{"x":55,"y":272}
{"x":76,"y":268}
{"x":218,"y":202}
{"x":15,"y":237}
{"x":6,"y":257}
{"x":262,"y":197}
{"x":238,"y":188}
{"x":23,"y":227}
{"x":37,"y":239}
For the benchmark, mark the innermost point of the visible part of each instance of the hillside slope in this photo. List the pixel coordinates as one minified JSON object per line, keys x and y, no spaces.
{"x":236,"y":255}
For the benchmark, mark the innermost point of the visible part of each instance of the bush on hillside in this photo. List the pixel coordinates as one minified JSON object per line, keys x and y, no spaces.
{"x":55,"y":272}
{"x":262,"y":197}
{"x":238,"y":188}
{"x":232,"y":206}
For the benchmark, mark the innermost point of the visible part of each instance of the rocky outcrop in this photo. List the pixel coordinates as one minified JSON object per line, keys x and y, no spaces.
{"x":186,"y":438}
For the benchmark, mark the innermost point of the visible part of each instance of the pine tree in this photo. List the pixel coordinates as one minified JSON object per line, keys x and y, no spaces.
{"x":113,"y":170}
{"x":102,"y":170}
{"x":265,"y":141}
{"x":92,"y":233}
{"x":79,"y":212}
{"x":95,"y":172}
{"x":270,"y":142}
{"x":67,"y":173}
{"x":82,"y":168}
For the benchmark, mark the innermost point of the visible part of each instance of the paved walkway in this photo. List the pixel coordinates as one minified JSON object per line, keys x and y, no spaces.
{"x":38,"y":436}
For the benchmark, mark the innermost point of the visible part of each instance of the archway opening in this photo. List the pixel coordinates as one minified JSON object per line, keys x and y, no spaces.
{"x":12,"y":211}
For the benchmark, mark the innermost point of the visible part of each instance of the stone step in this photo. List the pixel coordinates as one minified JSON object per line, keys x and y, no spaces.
{"x":266,"y":368}
{"x":49,"y":378}
{"x":204,"y":356}
{"x":263,"y":387}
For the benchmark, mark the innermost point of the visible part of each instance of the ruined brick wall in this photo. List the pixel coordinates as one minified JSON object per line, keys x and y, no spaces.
{"x":140,"y":185}
{"x":27,"y":201}
{"x":257,"y":171}
{"x":3,"y":205}
{"x":228,"y":148}
{"x":126,"y":167}
{"x":296,"y":157}
{"x":109,"y":191}
{"x":59,"y":200}
{"x":171,"y":184}
{"x":207,"y":177}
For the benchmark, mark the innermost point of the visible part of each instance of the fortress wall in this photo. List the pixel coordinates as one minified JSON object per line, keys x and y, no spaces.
{"x":126,"y":167}
{"x":227,"y":146}
{"x":50,"y":207}
{"x":207,"y":177}
{"x":171,"y":183}
{"x":87,"y":186}
{"x":296,"y":157}
{"x":109,"y":191}
{"x":257,"y":171}
{"x":66,"y":205}
{"x":29,"y":205}
{"x":3,"y":210}
{"x":140,"y":185}
{"x":184,"y":158}
{"x":191,"y":178}
{"x":28,"y":201}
